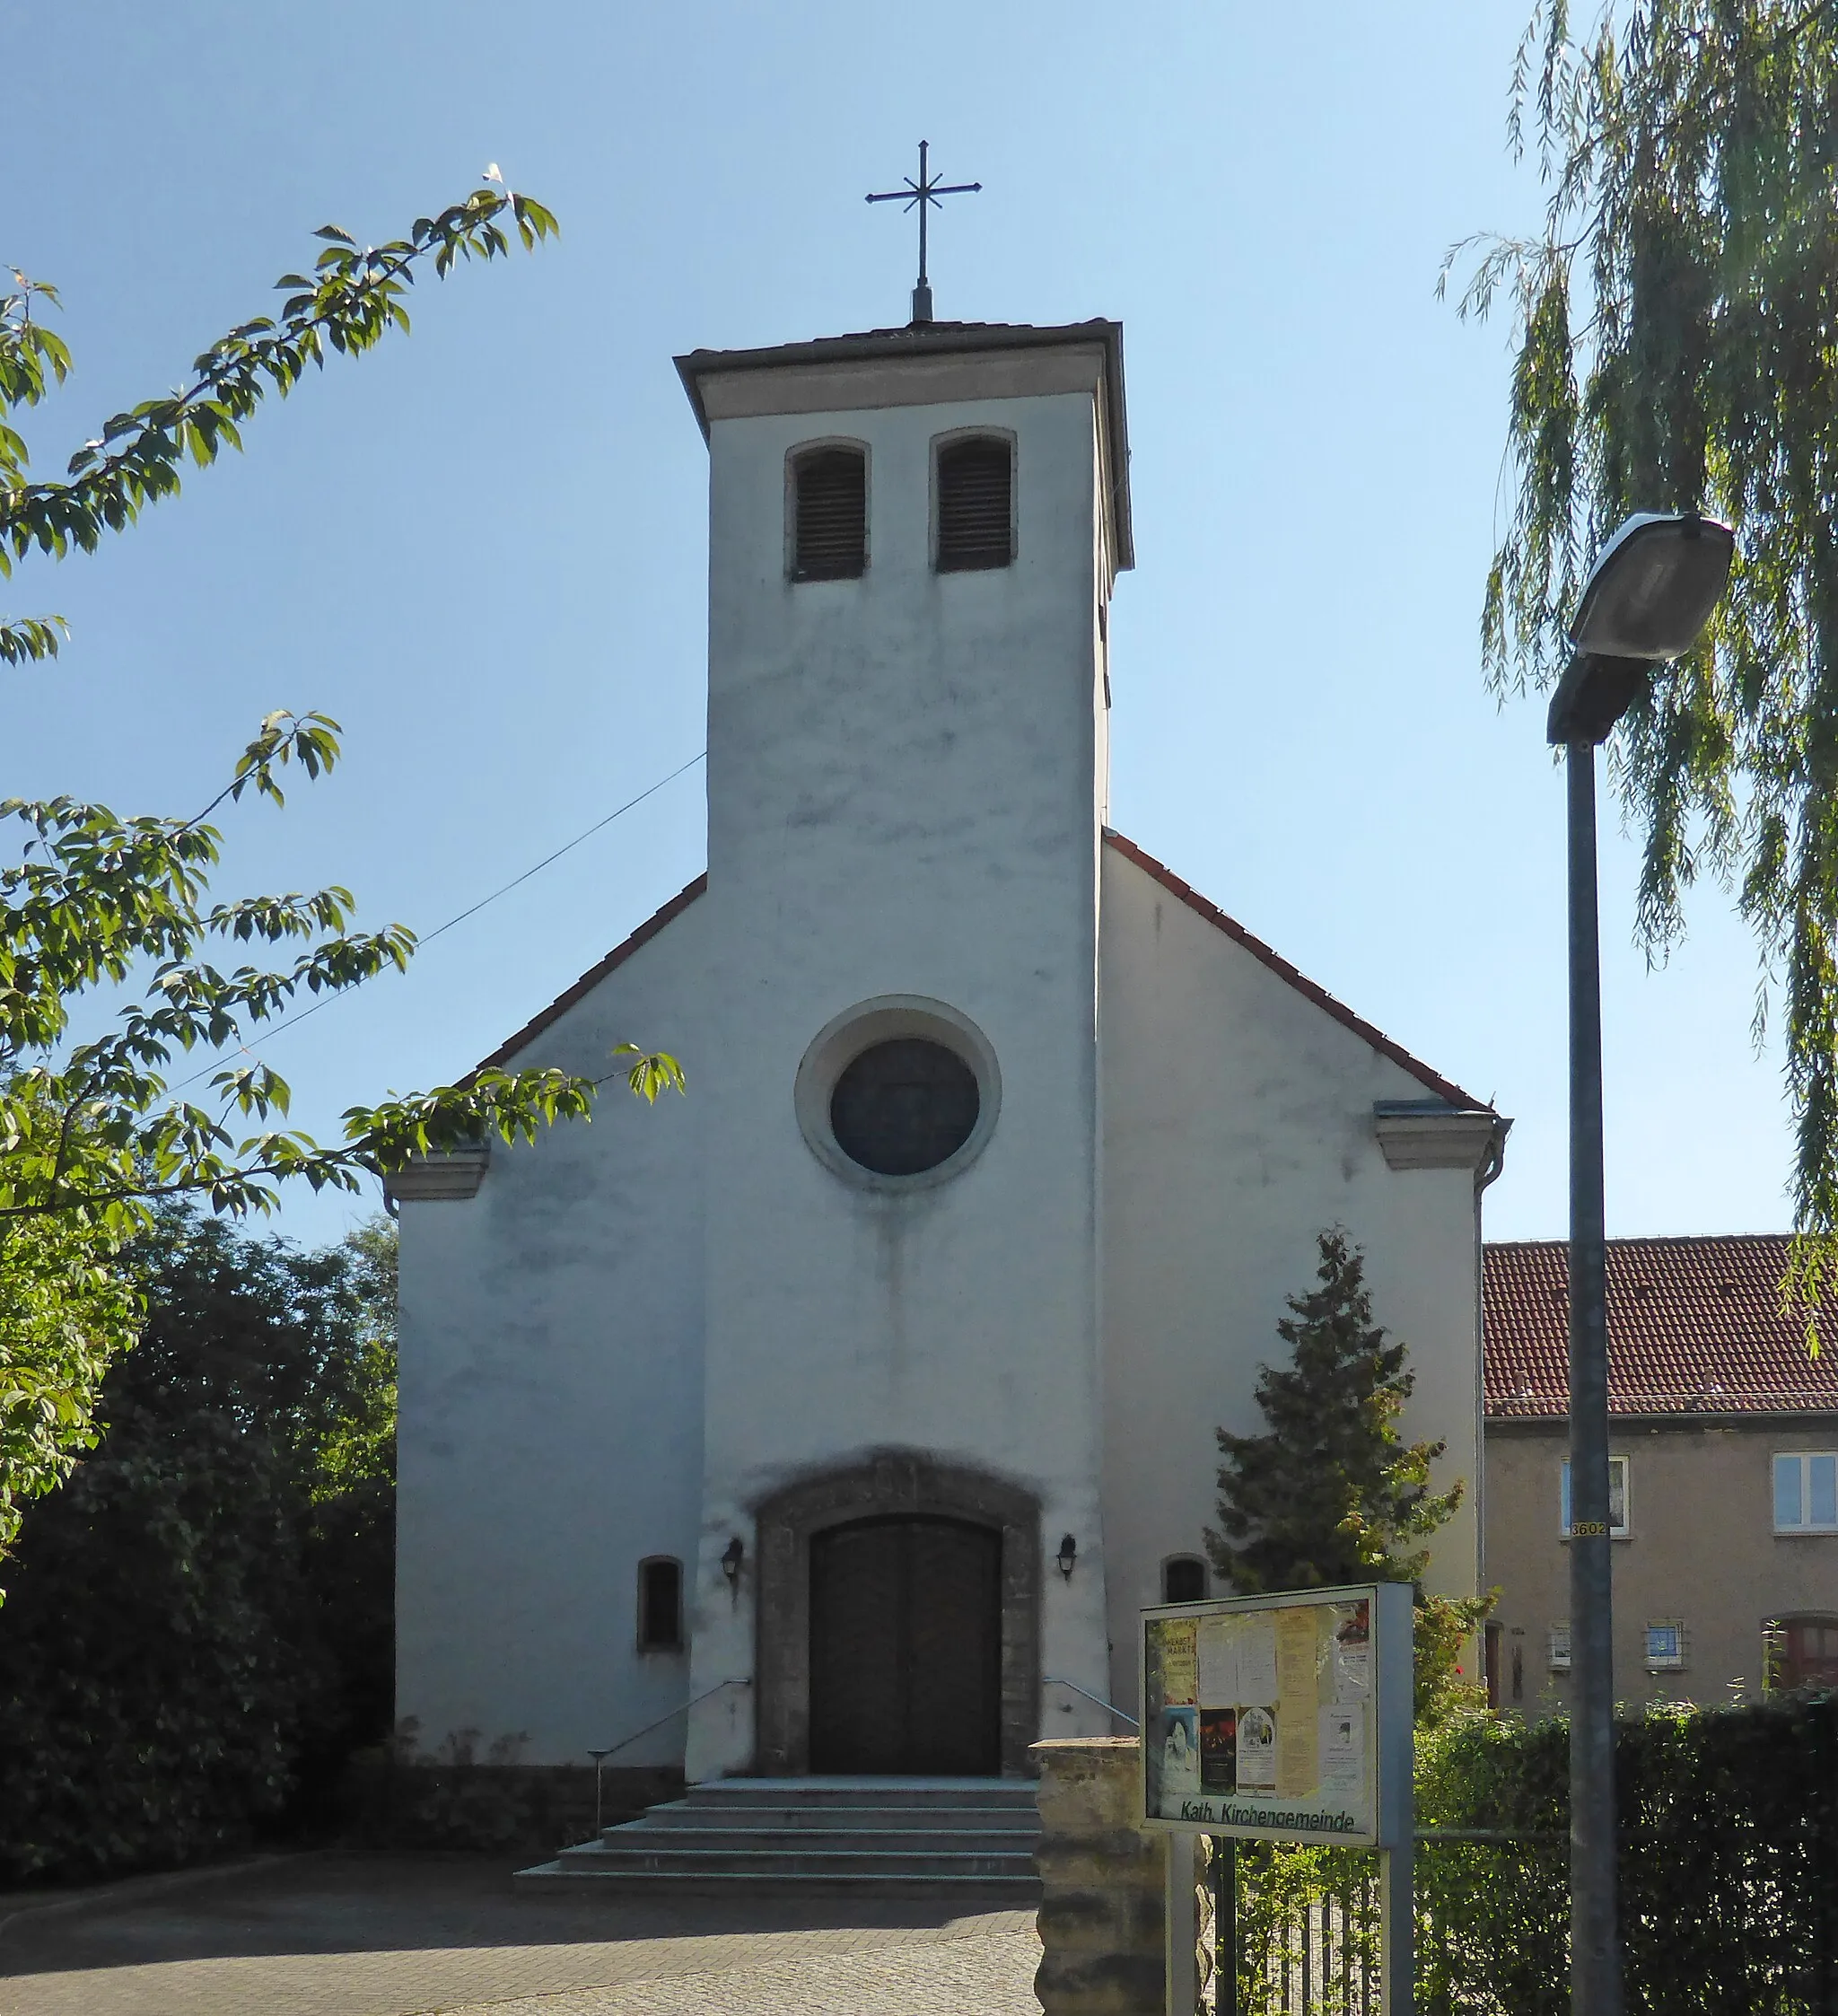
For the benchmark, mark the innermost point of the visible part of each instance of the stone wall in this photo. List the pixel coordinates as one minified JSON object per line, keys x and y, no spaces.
{"x":1108,"y":1937}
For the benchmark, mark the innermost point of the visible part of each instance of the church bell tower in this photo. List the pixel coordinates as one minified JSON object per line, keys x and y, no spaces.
{"x":914,"y":536}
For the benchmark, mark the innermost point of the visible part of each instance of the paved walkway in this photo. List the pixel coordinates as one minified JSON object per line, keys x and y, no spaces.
{"x":409,"y":1936}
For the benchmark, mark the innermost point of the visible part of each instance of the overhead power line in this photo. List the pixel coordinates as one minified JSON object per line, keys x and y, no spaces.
{"x":472,"y":910}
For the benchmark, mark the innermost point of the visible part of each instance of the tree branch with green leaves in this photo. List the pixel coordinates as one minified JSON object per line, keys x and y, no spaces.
{"x":103,"y":914}
{"x":351,"y":300}
{"x":91,"y":1129}
{"x":1675,"y":328}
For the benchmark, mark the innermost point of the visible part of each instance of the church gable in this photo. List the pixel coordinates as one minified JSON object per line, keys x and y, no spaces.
{"x":1432,"y":1081}
{"x":513,"y":1045}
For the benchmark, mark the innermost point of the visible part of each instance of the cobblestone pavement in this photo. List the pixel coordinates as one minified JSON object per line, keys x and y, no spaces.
{"x":414,"y":1935}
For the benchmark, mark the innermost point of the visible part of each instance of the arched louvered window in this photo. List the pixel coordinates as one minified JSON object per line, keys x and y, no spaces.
{"x":829,"y":514}
{"x":976,"y":503}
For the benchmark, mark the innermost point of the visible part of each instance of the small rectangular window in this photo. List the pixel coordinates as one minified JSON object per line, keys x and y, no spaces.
{"x":1560,"y":1648}
{"x":1183,"y":1579}
{"x":1664,"y":1645}
{"x":976,"y":504}
{"x":1617,"y":1498}
{"x":659,"y":1605}
{"x":1806,"y":1491}
{"x":829,"y":504}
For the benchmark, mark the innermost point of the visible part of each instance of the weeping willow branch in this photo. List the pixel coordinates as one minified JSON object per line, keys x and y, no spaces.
{"x":1677,"y":347}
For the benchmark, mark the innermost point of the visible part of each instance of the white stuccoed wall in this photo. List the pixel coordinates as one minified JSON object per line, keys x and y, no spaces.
{"x":901,"y":803}
{"x":639,"y":1330}
{"x":551,"y":1398}
{"x":1239,"y":1124}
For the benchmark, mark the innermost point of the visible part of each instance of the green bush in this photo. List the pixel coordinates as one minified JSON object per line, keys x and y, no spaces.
{"x":197,"y":1627}
{"x":1728,"y":1871}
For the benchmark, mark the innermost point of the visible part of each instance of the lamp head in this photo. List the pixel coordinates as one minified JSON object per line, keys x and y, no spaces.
{"x":1068,"y":1554}
{"x":1653,"y":586}
{"x":732,"y":1554}
{"x":1647,"y":598}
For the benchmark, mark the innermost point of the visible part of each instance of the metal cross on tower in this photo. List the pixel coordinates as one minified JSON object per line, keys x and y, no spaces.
{"x":923,"y":195}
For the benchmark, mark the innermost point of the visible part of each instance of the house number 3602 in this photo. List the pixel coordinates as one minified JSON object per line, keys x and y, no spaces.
{"x":1590,"y":1529}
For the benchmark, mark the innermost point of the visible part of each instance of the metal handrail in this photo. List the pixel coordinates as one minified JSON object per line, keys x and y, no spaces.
{"x":600,"y":1756}
{"x":681,"y":1708}
{"x":1096,"y":1701}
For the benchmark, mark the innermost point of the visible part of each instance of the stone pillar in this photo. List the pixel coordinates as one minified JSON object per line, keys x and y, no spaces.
{"x":1102,"y":1883}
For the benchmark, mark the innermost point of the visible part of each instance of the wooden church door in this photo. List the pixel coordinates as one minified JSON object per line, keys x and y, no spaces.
{"x":906,"y":1649}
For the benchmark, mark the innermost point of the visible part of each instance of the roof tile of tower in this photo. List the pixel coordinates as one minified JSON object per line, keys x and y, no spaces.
{"x":1695,"y":1326}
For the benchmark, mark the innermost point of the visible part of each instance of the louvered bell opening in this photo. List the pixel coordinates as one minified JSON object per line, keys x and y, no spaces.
{"x":975,"y":526}
{"x":832,"y":504}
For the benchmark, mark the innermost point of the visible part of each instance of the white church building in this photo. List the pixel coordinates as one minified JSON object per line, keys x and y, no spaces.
{"x":839,"y":1417}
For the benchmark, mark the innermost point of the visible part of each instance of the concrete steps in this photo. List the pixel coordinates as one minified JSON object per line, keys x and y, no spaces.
{"x":882,"y":1836}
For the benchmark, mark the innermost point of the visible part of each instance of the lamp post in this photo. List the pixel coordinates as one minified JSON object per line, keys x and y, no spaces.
{"x":1647,"y":600}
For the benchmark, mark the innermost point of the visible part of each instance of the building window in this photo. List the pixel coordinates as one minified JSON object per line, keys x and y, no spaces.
{"x":1518,"y":1664}
{"x":1806,"y":1491}
{"x":1184,"y":1579}
{"x":829,"y":514}
{"x":661,"y":1604}
{"x":905,"y":1105}
{"x":1802,"y":1651}
{"x":1665,"y":1646}
{"x":899,"y":1092}
{"x":1560,"y":1648}
{"x":976,"y":503}
{"x":1617,"y":1498}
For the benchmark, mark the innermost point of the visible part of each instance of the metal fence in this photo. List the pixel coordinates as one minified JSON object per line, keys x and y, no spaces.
{"x":1491,"y":1938}
{"x":1305,"y":1932}
{"x":1321,"y":1957}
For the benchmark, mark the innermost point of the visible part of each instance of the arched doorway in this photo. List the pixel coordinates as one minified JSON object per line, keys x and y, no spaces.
{"x":895,"y":1488}
{"x":906,"y":1648}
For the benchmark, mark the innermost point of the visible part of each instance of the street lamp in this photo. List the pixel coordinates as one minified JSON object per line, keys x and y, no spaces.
{"x":1647,"y":598}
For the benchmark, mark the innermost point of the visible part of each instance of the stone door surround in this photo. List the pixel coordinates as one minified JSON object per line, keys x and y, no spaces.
{"x":890,"y":1482}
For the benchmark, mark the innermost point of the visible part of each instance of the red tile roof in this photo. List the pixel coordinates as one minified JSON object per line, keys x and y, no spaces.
{"x":1170,"y":881}
{"x":1695,"y":1328}
{"x":1442,"y":1087}
{"x":593,"y":975}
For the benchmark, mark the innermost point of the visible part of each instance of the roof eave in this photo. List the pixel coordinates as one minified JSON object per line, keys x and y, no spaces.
{"x":940,"y":341}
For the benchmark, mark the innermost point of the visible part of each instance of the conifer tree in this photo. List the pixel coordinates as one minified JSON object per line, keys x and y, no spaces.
{"x":1332,"y":1493}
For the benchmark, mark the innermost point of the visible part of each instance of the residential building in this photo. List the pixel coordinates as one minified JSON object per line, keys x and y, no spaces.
{"x":1724,"y":1431}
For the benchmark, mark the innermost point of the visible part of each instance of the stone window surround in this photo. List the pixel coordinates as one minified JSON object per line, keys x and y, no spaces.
{"x":1199,"y":1561}
{"x":844,"y":1037}
{"x":887,"y":1483}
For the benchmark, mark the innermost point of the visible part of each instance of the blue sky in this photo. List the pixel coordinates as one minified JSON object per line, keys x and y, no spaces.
{"x":483,"y":550}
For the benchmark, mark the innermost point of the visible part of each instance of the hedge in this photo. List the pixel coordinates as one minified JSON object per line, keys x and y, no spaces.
{"x":1729,"y":1873}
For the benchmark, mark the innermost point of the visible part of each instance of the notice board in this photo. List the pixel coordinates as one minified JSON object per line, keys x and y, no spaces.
{"x":1280,"y":1718}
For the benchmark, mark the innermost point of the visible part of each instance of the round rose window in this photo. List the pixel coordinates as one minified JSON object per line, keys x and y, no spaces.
{"x":903,"y":1105}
